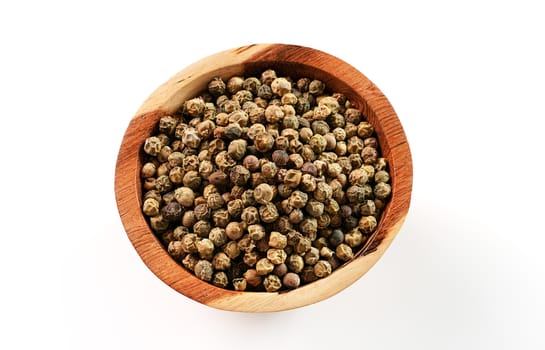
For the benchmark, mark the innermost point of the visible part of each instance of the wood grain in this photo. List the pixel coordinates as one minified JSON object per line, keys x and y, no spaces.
{"x":294,"y":61}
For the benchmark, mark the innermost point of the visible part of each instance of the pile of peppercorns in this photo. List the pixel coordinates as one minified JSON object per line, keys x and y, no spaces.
{"x":264,"y":184}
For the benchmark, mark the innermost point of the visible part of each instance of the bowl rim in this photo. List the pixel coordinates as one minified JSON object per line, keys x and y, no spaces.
{"x":247,"y":59}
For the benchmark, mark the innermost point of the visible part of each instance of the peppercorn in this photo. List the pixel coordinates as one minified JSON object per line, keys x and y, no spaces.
{"x":192,"y":179}
{"x":205,"y":247}
{"x":308,"y":275}
{"x":322,"y":269}
{"x":217,"y":236}
{"x":367,"y":224}
{"x":354,"y":238}
{"x":235,"y":84}
{"x":309,"y":227}
{"x":296,"y":216}
{"x":365,"y":130}
{"x":189,"y":262}
{"x":256,"y":232}
{"x":280,"y":86}
{"x":158,"y":223}
{"x":175,"y":250}
{"x":344,"y":252}
{"x":272,"y":283}
{"x":350,"y":222}
{"x":231,"y":249}
{"x":276,"y":256}
{"x":250,"y":215}
{"x":152,"y":146}
{"x":163,"y":169}
{"x":148,"y":170}
{"x":204,"y":270}
{"x":264,"y":266}
{"x":235,"y":208}
{"x":382,"y":190}
{"x":220,"y":279}
{"x":352,"y":115}
{"x":263,"y":142}
{"x":237,"y":149}
{"x":268,"y":213}
{"x":325,"y":252}
{"x":252,"y":277}
{"x":316,"y":87}
{"x":336,"y":238}
{"x":233,"y":230}
{"x":179,"y":232}
{"x":369,"y":155}
{"x":172,"y":211}
{"x":291,"y":280}
{"x":216,"y":86}
{"x":202,"y":228}
{"x":221,"y":218}
{"x":382,"y":176}
{"x":239,"y":175}
{"x":150,"y":207}
{"x":263,"y":193}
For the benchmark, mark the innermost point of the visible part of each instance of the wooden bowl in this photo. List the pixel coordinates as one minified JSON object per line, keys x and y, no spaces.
{"x":287,"y":60}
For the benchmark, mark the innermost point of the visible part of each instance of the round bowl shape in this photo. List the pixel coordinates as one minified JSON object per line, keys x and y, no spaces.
{"x":287,"y":60}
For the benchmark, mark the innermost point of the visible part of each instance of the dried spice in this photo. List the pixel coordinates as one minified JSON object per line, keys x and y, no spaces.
{"x":264,"y":183}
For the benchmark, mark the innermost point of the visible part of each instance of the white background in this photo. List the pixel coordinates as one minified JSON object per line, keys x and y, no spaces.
{"x":466,"y":79}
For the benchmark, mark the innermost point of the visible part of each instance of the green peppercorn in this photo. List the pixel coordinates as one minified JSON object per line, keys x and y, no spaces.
{"x":216,"y":86}
{"x":263,"y":142}
{"x":365,"y":130}
{"x":176,"y":251}
{"x":264,"y":266}
{"x":322,"y":269}
{"x":367,"y":224}
{"x":218,"y":236}
{"x":268,"y":213}
{"x":151,"y":207}
{"x":205,"y":247}
{"x":220,"y":279}
{"x":263,"y":193}
{"x":382,"y":176}
{"x":237,"y":149}
{"x":250,"y":215}
{"x":276,"y":256}
{"x":382,"y":190}
{"x":234,"y":230}
{"x":256,"y":232}
{"x":272,"y":283}
{"x":280,"y":86}
{"x":354,"y":238}
{"x":295,"y":263}
{"x":204,"y":270}
{"x":344,"y":252}
{"x":189,"y":262}
{"x":152,"y":146}
{"x":221,"y":261}
{"x":277,"y":240}
{"x":202,"y":228}
{"x":231,"y":249}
